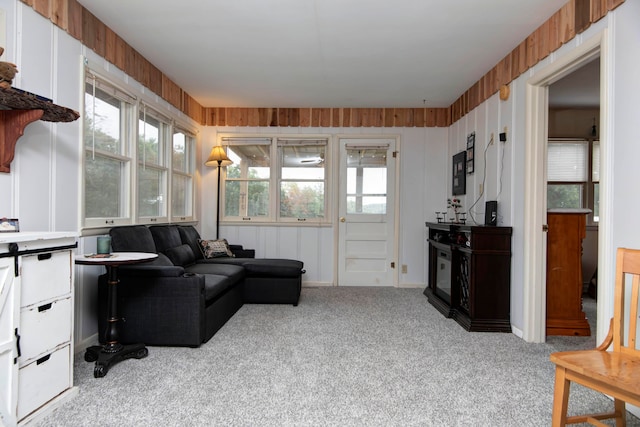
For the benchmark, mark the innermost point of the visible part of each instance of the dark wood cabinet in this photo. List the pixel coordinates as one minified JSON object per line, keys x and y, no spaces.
{"x":470,"y":275}
{"x":566,"y":230}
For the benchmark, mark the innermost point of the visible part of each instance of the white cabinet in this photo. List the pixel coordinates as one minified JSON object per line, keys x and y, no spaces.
{"x":36,"y":324}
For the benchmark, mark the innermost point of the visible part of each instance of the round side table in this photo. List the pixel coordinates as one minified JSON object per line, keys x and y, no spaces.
{"x":113,"y":351}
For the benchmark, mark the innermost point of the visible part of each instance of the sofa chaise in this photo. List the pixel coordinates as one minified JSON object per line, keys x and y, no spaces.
{"x":183,"y":298}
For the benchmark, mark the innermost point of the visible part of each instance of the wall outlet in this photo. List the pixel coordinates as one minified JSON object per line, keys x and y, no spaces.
{"x":404,"y":268}
{"x":480,"y":188}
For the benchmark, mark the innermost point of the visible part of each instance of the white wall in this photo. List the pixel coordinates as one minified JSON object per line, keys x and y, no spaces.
{"x":422,"y":192}
{"x":43,"y":189}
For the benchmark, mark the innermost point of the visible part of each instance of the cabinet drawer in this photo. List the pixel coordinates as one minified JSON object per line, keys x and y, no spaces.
{"x":45,"y":276}
{"x":42,"y":380}
{"x":44,"y":327}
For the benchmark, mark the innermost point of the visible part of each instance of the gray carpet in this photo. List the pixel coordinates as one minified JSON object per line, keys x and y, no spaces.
{"x":343,"y":357}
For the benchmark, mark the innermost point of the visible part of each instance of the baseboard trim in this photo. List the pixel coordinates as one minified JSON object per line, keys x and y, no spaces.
{"x":317,"y":284}
{"x":412,"y":285}
{"x":81,"y":346}
{"x":517,"y":332}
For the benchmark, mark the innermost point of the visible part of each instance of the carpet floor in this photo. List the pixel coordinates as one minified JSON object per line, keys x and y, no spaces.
{"x":343,"y":357}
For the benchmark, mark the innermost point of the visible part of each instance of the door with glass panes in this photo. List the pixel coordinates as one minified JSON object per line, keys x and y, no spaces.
{"x":366,"y":224}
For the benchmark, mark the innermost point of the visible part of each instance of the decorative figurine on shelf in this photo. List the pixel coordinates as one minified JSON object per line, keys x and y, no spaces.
{"x":454,"y":203}
{"x":7,"y":72}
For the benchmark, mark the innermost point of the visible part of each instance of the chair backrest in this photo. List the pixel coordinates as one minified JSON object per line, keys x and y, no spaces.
{"x":625,"y":315}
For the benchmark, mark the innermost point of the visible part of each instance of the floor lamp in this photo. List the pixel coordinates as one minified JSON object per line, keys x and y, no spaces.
{"x":218,"y":158}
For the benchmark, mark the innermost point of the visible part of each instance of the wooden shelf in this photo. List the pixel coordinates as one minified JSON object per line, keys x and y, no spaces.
{"x":17,"y":110}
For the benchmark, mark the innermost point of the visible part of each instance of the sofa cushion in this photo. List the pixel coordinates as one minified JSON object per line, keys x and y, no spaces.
{"x":181,"y":255}
{"x":215,"y":285}
{"x":265,"y":267}
{"x":190,"y":236}
{"x":234,"y":272}
{"x":136,"y":238}
{"x":132,"y":238}
{"x":165,"y":237}
{"x":215,"y":248}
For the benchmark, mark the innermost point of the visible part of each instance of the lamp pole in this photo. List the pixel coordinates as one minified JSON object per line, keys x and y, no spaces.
{"x":218,"y":158}
{"x":218,"y":202}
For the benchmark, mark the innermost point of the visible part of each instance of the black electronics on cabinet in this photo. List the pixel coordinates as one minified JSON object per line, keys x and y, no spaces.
{"x":491,"y":213}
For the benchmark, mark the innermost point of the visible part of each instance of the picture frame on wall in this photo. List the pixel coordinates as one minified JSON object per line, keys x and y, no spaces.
{"x":471,"y":142}
{"x":459,"y":174}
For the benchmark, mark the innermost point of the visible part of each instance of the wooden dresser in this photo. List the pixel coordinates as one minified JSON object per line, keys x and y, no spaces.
{"x":567,"y":229}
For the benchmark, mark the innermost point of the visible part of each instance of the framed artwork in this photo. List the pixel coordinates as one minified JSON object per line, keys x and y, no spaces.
{"x":459,"y":174}
{"x":9,"y":225}
{"x":471,"y":142}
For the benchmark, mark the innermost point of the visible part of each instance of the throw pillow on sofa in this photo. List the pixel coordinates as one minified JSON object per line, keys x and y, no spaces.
{"x":215,"y":248}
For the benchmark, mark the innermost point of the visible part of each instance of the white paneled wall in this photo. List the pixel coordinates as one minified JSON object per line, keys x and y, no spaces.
{"x":43,"y":189}
{"x":422,"y":161}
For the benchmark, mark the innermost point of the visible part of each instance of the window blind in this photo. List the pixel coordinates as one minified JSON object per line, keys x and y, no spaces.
{"x":567,"y":161}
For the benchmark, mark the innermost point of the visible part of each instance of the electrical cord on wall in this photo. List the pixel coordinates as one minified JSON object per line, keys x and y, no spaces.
{"x":484,"y":177}
{"x":501,"y":172}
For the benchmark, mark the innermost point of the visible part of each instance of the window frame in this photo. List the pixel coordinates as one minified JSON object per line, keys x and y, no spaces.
{"x":189,"y":173}
{"x":161,"y":166}
{"x":130,"y":134}
{"x":126,"y":155}
{"x":286,"y":141}
{"x":228,"y":141}
{"x":588,"y":186}
{"x":275,"y":179}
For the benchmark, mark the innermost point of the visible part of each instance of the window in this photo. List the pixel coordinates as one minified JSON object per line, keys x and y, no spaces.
{"x":595,"y":179}
{"x":153,"y":141}
{"x":366,"y":180}
{"x":276,"y":179}
{"x":107,"y":164}
{"x":182,"y":164}
{"x":135,"y":171}
{"x":302,"y":179}
{"x":247,"y":181}
{"x":570,"y":181}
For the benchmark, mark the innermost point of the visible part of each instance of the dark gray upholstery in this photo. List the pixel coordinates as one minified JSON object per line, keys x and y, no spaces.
{"x":165,"y":237}
{"x":132,"y":238}
{"x":182,"y":298}
{"x":190,"y":236}
{"x":181,"y":255}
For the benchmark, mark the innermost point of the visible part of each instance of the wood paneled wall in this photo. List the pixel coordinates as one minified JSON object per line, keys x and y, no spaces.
{"x":329,"y":117}
{"x":573,"y":18}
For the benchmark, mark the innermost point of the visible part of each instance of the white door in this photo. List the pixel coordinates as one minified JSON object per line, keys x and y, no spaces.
{"x":366,"y":212}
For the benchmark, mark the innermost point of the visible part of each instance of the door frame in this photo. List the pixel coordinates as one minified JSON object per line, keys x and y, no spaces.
{"x":536,"y":133}
{"x":336,"y":201}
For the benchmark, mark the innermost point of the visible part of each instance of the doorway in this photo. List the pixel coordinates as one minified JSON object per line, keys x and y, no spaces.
{"x":536,"y":133}
{"x":366,"y":209}
{"x":573,"y":154}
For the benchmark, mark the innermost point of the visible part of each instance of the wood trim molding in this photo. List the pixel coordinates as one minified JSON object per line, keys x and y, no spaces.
{"x":573,"y":18}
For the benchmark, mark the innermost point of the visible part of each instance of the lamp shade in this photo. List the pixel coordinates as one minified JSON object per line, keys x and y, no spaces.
{"x":218,"y":157}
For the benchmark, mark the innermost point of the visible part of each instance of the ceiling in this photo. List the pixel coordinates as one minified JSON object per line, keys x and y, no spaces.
{"x":324,"y":53}
{"x":580,"y":89}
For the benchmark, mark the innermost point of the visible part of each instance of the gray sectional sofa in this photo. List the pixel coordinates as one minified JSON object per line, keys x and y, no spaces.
{"x":182,"y":298}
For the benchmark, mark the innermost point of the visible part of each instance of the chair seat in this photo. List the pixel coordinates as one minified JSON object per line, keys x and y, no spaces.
{"x":619,"y":370}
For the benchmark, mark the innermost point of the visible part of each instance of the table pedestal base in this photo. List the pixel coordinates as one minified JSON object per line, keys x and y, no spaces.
{"x":105,"y":359}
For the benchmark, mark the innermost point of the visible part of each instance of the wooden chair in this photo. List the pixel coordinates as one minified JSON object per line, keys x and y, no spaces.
{"x":615,"y":373}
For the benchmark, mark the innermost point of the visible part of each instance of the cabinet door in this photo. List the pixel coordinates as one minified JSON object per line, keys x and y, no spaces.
{"x":9,"y":316}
